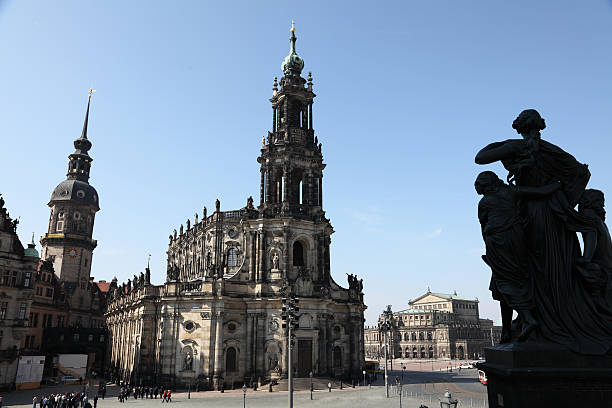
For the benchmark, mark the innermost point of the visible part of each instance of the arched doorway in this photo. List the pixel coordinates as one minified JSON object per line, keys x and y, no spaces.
{"x":460,"y":353}
{"x":230,"y":360}
{"x":414,"y":352}
{"x":431,"y":352}
{"x":422,"y":352}
{"x":337,"y":357}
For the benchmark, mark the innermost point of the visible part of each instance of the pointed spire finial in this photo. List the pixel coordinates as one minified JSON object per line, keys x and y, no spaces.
{"x":84,"y":132}
{"x":292,"y":27}
{"x":33,"y":239}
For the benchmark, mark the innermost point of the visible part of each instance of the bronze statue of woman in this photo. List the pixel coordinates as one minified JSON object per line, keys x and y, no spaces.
{"x":563,"y":307}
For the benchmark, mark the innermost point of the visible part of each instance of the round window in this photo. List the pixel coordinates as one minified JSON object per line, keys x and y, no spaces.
{"x":77,"y":215}
{"x":80,"y":194}
{"x":232,"y":233}
{"x":189,"y":326}
{"x":231,"y":327}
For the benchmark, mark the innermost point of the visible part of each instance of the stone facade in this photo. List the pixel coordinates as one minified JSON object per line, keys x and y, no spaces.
{"x":217,"y":319}
{"x":17,"y":272}
{"x":437,"y":325}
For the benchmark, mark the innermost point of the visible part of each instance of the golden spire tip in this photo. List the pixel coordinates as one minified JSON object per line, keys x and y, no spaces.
{"x":292,"y":26}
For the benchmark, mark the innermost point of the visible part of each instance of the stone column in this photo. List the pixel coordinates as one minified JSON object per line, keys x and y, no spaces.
{"x":248,"y":366}
{"x":310,"y":116}
{"x":321,"y":191}
{"x":253,"y":344}
{"x":261,"y":186}
{"x":259,"y":340}
{"x":285,"y":184}
{"x":262,"y":249}
{"x":252,"y":254}
{"x":218,"y":376}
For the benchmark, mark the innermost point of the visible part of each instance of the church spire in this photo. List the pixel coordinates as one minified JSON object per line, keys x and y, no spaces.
{"x":293,"y":63}
{"x":84,"y":132}
{"x":80,"y":161}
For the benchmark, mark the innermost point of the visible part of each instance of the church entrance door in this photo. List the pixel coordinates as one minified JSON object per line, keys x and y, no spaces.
{"x":304,"y":358}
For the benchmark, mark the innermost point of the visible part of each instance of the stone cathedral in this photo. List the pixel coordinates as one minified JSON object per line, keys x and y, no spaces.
{"x":217,"y":319}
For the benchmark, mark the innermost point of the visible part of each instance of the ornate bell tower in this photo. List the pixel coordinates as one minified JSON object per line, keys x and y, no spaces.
{"x":291,"y":160}
{"x":68,"y":242}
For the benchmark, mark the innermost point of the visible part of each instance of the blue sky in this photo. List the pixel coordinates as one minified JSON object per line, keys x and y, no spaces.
{"x":408,"y":92}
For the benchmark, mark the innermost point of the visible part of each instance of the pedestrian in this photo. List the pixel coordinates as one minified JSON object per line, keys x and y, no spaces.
{"x":1,"y":399}
{"x":169,"y":397}
{"x":34,"y":401}
{"x":329,"y":386}
{"x":95,"y":401}
{"x":163,"y":397}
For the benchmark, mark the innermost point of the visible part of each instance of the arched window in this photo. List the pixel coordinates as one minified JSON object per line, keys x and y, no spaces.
{"x":406,"y":336}
{"x":230,"y":359}
{"x":407,"y":353}
{"x":232,"y":257}
{"x":422,"y":352}
{"x":430,"y":352}
{"x":421,"y":336}
{"x":300,"y":192}
{"x":413,"y":336}
{"x":414,"y":352}
{"x":337,"y":357}
{"x":428,"y":335}
{"x":298,"y":254}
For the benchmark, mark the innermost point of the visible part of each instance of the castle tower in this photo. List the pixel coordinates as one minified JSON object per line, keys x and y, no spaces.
{"x":74,"y":203}
{"x":291,"y":160}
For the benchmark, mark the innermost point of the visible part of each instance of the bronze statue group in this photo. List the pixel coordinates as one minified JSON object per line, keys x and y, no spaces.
{"x":562,"y":293}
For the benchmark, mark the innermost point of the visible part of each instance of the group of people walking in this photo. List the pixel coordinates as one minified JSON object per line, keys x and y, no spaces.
{"x":144,"y":393}
{"x":67,"y":400}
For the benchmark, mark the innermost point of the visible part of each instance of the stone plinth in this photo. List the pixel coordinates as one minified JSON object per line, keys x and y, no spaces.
{"x":543,"y":375}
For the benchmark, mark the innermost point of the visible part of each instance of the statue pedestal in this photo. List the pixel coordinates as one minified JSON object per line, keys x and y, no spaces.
{"x":528,"y":375}
{"x":276,"y":274}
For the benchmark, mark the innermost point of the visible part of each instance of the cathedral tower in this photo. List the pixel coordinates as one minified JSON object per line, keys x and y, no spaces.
{"x":291,"y":160}
{"x":74,"y":203}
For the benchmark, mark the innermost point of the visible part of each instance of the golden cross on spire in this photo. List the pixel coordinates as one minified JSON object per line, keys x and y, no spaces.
{"x":91,"y":92}
{"x":292,"y":26}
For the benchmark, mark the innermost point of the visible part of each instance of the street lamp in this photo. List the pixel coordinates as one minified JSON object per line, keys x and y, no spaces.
{"x":364,"y":373}
{"x":244,"y":388}
{"x":289,"y":315}
{"x":403,"y":371}
{"x":400,"y":392}
{"x":384,"y":327}
{"x":310,"y":385}
{"x":450,"y":402}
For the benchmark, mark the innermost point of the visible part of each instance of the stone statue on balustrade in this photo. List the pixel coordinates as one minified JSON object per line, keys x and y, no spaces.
{"x":530,"y":227}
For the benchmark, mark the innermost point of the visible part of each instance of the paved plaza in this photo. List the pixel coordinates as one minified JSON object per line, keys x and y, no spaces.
{"x":421,"y":385}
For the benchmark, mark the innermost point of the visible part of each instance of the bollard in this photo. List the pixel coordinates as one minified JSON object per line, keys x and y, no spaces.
{"x":270,"y":387}
{"x":340,"y":384}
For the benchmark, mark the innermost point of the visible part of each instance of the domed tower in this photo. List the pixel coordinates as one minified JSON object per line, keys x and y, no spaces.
{"x":291,"y":160}
{"x":74,"y":203}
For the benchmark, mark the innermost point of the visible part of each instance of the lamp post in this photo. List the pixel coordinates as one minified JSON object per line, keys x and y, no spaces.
{"x":384,"y":327}
{"x":449,"y":402}
{"x":364,"y":373}
{"x":244,"y":388}
{"x":310,"y":374}
{"x":400,"y":392}
{"x":290,"y":319}
{"x":403,"y":371}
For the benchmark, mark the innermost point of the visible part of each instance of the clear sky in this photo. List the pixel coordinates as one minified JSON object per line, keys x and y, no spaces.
{"x":408,"y":92}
